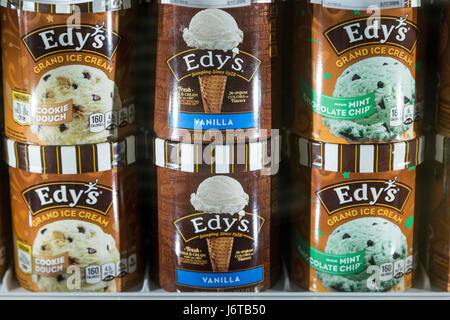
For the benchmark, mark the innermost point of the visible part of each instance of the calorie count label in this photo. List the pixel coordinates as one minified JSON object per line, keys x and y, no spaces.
{"x":109,"y":271}
{"x":401,"y":115}
{"x":395,"y":270}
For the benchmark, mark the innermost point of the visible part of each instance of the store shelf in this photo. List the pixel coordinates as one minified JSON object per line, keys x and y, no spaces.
{"x":283,"y":290}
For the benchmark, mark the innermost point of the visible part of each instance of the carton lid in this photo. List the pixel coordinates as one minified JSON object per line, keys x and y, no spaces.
{"x":362,"y":158}
{"x":71,"y":159}
{"x":67,"y":7}
{"x":365,"y":4}
{"x":217,"y":158}
{"x":216,"y":3}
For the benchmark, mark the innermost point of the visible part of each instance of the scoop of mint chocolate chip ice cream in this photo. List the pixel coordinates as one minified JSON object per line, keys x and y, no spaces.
{"x":382,"y":242}
{"x":393,"y":86}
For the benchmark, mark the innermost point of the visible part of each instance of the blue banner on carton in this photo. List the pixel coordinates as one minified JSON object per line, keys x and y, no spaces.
{"x":220,"y":280}
{"x":204,"y":121}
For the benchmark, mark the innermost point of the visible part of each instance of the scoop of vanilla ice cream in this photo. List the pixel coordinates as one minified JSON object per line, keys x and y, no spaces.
{"x":213,"y":29}
{"x":220,"y":194}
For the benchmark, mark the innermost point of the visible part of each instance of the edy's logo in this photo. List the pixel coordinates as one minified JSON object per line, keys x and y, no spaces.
{"x":395,"y":31}
{"x":63,"y":38}
{"x":195,"y":62}
{"x":69,"y":194}
{"x":391,"y":194}
{"x":199,"y":225}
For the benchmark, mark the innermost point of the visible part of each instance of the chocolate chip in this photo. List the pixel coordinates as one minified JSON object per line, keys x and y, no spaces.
{"x":46,"y":77}
{"x":380,"y":84}
{"x":59,"y":278}
{"x":346,"y":236}
{"x":86,"y":75}
{"x":43,"y":247}
{"x":96,"y":97}
{"x":395,"y":255}
{"x":406,"y":100}
{"x":386,"y":127}
{"x":107,"y":247}
{"x":81,"y":229}
{"x":382,"y":105}
{"x":70,"y":239}
{"x":372,"y":261}
{"x":347,"y":135}
{"x":48,"y":94}
{"x":62,"y":127}
{"x":73,"y":260}
{"x":91,"y":251}
{"x":385,"y":64}
{"x":355,"y":77}
{"x":105,"y":288}
{"x":43,"y":230}
{"x":370,"y":243}
{"x":74,"y":86}
{"x":374,"y":224}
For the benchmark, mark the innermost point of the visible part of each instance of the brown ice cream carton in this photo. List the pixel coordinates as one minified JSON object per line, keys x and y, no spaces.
{"x":358,"y":71}
{"x":218,"y":69}
{"x":443,"y":109}
{"x":68,"y":71}
{"x":217,"y":216}
{"x":438,"y":246}
{"x":354,"y":219}
{"x":76,"y":224}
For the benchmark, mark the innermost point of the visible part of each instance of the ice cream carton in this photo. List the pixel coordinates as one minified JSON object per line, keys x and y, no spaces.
{"x":358,"y":71}
{"x":438,"y":231}
{"x":76,"y":225}
{"x":68,"y":71}
{"x":218,"y":69}
{"x":217,"y":216}
{"x":354,"y":219}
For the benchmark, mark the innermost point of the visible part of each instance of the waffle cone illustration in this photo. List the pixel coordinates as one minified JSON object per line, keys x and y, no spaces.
{"x":212,"y":89}
{"x":219,"y":249}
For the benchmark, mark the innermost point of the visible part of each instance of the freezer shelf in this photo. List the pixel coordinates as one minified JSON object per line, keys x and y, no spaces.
{"x":283,"y":290}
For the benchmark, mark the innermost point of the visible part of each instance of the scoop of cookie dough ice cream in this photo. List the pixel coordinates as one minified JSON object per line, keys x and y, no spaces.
{"x":90,"y":91}
{"x":381,"y":241}
{"x":85,"y":244}
{"x":393,"y":86}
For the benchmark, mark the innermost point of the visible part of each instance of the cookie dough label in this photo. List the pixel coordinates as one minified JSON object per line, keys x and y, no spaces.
{"x":56,"y":114}
{"x":358,"y":74}
{"x":51,"y":266}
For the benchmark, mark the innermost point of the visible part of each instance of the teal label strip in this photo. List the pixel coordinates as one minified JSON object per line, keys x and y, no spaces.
{"x":338,"y":108}
{"x":339,"y":264}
